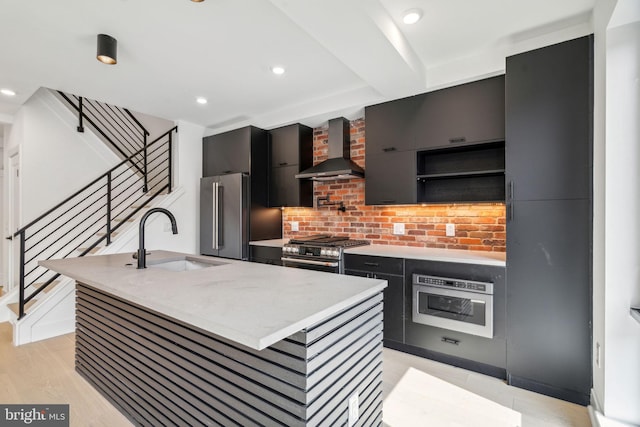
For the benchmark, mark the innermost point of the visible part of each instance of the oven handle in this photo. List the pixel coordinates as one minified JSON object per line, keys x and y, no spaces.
{"x":311,"y":262}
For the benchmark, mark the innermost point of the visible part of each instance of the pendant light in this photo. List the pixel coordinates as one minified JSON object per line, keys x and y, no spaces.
{"x":107,"y":49}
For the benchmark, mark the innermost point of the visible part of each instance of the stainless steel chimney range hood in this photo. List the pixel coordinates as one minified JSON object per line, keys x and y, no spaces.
{"x":339,"y":164}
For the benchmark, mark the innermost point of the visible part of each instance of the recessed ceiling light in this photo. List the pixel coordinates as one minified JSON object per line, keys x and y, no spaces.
{"x":411,"y":16}
{"x":277,"y":70}
{"x":7,"y":92}
{"x":201,"y":100}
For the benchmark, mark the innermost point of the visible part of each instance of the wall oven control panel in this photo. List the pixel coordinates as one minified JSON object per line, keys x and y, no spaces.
{"x":448,"y":283}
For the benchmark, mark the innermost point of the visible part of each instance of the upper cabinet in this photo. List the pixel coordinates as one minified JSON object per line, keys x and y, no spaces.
{"x":291,"y":152}
{"x":548,"y":114}
{"x":231,"y":152}
{"x":445,"y":146}
{"x":389,"y":125}
{"x":464,"y":114}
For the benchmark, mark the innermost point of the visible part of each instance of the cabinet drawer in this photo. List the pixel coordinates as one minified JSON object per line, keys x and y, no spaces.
{"x":484,"y":350}
{"x":265,"y":254}
{"x":374,"y":264}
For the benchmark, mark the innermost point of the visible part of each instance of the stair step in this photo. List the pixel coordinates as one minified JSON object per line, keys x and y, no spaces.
{"x":15,"y":307}
{"x":49,"y":288}
{"x":92,"y":251}
{"x":138,"y":205}
{"x":123,"y":220}
{"x":102,"y":234}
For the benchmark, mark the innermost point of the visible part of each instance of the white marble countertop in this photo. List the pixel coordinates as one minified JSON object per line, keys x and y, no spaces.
{"x":253,"y":304}
{"x":410,"y":252}
{"x":273,"y":243}
{"x":432,"y":254}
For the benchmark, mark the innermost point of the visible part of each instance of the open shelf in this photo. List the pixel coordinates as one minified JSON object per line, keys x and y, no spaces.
{"x":472,"y":173}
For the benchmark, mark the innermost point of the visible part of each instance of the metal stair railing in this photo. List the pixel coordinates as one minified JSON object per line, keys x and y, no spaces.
{"x":117,"y":126}
{"x":92,"y":214}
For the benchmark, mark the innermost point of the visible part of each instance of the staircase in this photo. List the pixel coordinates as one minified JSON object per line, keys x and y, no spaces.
{"x":87,"y":221}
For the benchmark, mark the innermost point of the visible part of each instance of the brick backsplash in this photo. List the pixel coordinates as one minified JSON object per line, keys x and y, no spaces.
{"x":479,"y":226}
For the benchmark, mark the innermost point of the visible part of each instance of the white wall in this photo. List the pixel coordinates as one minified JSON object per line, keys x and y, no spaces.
{"x":154,"y":125}
{"x":621,"y":398}
{"x":601,"y":17}
{"x":188,"y":171}
{"x":56,"y":160}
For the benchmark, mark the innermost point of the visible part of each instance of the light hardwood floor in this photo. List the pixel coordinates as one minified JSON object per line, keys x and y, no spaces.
{"x":43,"y":372}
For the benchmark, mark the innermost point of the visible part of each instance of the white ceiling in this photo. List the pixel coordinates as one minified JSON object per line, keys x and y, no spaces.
{"x":340,"y":55}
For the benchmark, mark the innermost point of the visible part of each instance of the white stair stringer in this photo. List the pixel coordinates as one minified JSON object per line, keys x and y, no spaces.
{"x":53,"y":315}
{"x":6,"y":299}
{"x":54,"y":312}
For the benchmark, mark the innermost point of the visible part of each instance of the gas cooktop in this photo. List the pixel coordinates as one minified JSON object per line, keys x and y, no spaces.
{"x":327,"y":240}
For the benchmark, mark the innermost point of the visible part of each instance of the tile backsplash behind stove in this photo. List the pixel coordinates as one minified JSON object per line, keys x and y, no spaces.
{"x":478,"y":226}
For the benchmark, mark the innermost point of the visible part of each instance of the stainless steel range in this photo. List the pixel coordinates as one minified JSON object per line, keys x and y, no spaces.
{"x":321,"y":252}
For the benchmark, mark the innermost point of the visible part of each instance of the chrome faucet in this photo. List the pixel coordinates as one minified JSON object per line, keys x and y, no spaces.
{"x":142,"y":254}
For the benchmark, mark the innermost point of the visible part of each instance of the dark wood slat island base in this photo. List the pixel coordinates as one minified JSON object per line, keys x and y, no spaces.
{"x":160,"y":371}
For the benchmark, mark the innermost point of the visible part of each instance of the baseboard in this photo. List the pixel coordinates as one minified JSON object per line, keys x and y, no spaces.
{"x":597,"y":417}
{"x":469,"y":365}
{"x":559,"y":393}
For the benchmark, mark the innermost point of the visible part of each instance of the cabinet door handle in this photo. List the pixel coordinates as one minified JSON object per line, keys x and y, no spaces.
{"x":509,"y":212}
{"x":457,"y":139}
{"x":225,"y":172}
{"x":387,"y":202}
{"x":450,"y":341}
{"x":372,"y":264}
{"x":389,"y":149}
{"x":283,"y":163}
{"x":510,"y":190}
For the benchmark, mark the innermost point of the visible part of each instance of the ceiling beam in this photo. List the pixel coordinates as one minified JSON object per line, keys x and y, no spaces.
{"x":392,"y":68}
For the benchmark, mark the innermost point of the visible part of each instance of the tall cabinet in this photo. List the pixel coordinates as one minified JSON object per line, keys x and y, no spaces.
{"x":549,"y":144}
{"x":291,"y":153}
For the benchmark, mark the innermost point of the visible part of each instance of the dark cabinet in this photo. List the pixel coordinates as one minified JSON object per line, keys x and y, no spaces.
{"x":549,"y":219}
{"x":390,"y":178}
{"x":467,"y":113}
{"x":389,"y":125}
{"x":549,"y":297}
{"x":457,"y":119}
{"x":230,"y":152}
{"x":265,"y":254}
{"x":548,"y":111}
{"x":391,"y":270}
{"x":291,"y":152}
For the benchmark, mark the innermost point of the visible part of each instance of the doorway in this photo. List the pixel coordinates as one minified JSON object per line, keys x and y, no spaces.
{"x":13,"y":212}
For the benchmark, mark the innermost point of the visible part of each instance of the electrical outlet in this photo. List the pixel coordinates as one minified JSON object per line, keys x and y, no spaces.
{"x":398,"y":229}
{"x":295,"y":226}
{"x":450,"y":230}
{"x":353,"y":409}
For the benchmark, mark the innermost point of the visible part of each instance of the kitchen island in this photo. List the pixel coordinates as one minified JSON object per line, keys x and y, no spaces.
{"x":196,"y":340}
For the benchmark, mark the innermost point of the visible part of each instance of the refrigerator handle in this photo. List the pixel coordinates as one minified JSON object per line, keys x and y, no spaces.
{"x":216,"y":210}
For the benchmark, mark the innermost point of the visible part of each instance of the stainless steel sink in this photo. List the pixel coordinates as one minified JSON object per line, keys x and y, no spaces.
{"x":184,"y":264}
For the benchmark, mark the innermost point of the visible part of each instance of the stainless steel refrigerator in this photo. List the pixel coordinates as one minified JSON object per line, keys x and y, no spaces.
{"x":224,"y":216}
